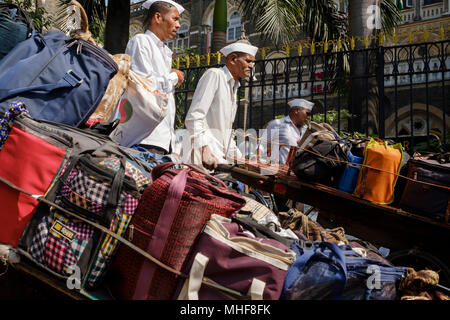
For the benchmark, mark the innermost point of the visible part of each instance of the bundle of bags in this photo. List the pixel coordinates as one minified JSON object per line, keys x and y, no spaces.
{"x":146,"y":227}
{"x":377,"y":170}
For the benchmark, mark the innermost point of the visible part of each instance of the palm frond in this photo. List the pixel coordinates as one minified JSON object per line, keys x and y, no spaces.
{"x":278,"y":20}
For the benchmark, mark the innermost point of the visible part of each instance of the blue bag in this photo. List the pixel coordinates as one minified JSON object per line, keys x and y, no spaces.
{"x":330,"y":272}
{"x":58,"y":78}
{"x":15,"y":27}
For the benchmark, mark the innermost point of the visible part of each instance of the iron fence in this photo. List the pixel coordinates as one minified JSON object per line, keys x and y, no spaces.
{"x":399,"y":92}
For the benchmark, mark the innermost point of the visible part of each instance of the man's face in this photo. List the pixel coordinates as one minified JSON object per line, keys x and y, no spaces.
{"x":170,"y":23}
{"x":300,"y":115}
{"x":244,"y":65}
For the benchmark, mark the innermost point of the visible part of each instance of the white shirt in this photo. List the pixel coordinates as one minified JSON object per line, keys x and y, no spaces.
{"x":280,"y":131}
{"x":210,"y":118}
{"x":152,"y":59}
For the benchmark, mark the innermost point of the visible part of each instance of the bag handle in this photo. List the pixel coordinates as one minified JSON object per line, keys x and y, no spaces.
{"x":162,"y":168}
{"x":193,"y":283}
{"x":156,"y":246}
{"x":69,"y":80}
{"x":116,"y":184}
{"x":340,"y":259}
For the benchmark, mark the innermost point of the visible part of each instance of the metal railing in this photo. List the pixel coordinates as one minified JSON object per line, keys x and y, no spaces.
{"x":399,"y":92}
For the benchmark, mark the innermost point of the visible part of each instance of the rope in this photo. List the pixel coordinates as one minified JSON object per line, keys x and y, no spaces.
{"x":205,"y":280}
{"x":296,"y":148}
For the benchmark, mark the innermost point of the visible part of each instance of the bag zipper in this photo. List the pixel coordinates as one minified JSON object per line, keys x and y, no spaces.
{"x":44,"y":132}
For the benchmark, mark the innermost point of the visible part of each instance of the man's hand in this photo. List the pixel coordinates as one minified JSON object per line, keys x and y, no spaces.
{"x":209,"y":161}
{"x":180,"y":75}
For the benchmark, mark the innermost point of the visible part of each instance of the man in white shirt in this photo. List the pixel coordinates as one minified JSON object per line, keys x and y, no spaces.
{"x":286,"y":131}
{"x":210,"y":118}
{"x":152,"y":59}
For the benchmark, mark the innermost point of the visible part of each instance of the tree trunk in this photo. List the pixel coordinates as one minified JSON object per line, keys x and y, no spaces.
{"x":363,"y":101}
{"x":117,"y":26}
{"x":219,"y":34}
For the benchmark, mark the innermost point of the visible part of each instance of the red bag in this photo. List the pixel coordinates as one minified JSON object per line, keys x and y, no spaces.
{"x":30,"y":163}
{"x":170,"y":215}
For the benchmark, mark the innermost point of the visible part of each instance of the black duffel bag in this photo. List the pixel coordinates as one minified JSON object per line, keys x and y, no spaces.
{"x":322,"y":162}
{"x":15,"y":27}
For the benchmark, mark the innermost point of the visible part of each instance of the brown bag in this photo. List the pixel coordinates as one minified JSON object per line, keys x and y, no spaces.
{"x":114,"y":92}
{"x":298,"y":221}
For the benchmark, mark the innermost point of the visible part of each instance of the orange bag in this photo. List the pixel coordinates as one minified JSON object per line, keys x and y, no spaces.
{"x":378,"y":185}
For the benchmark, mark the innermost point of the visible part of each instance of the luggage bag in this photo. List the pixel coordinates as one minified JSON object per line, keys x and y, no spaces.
{"x":170,"y":215}
{"x":58,"y":78}
{"x":426,"y":199}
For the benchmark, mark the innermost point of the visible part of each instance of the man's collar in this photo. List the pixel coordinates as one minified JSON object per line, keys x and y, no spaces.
{"x":229,"y":76}
{"x":157,"y":40}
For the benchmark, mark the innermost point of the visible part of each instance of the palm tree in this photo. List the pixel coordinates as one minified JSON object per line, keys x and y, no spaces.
{"x":219,"y":34}
{"x":319,"y":19}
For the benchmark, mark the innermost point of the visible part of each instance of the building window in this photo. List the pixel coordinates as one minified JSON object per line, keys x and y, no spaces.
{"x":234,"y":26}
{"x":427,"y":2}
{"x":182,"y":38}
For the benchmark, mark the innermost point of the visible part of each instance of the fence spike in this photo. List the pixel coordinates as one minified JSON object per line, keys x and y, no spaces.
{"x":352,"y":43}
{"x":313,"y":47}
{"x":410,"y":37}
{"x":442,"y":33}
{"x":208,"y":59}
{"x":218,"y":57}
{"x":288,"y":50}
{"x":425,"y":35}
{"x":188,"y":61}
{"x":198,"y":60}
{"x":381,"y":38}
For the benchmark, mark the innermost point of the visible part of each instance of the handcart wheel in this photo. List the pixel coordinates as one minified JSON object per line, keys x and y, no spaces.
{"x":420,"y":260}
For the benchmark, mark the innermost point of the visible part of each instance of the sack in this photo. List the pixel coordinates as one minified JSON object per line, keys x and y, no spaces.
{"x":323,"y":162}
{"x":171,"y":214}
{"x":330,"y":272}
{"x":99,"y":185}
{"x":22,"y":156}
{"x":425,"y":199}
{"x":141,"y":108}
{"x":15,"y":27}
{"x":313,"y":231}
{"x":378,"y":185}
{"x":57,"y":78}
{"x":347,"y":181}
{"x":228,"y":255}
{"x":114,"y":92}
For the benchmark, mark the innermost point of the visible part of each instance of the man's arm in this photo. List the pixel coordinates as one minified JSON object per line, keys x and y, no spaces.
{"x":196,"y":117}
{"x":141,"y":57}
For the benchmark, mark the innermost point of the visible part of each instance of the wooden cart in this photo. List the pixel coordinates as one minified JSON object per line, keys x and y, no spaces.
{"x":413,"y":240}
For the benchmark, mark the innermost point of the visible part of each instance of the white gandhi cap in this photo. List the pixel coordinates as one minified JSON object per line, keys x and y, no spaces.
{"x":239,"y":47}
{"x":301,"y":103}
{"x":147,"y":4}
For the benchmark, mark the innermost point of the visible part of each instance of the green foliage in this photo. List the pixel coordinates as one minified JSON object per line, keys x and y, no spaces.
{"x":332,"y":116}
{"x":97,"y":28}
{"x":38,"y":15}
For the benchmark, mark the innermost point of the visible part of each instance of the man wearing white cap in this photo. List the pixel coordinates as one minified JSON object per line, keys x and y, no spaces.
{"x":152,"y":59}
{"x":287,"y":131}
{"x":210,"y":118}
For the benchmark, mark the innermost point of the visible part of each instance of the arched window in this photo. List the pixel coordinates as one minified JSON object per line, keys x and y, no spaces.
{"x":182,"y":37}
{"x":234,"y":26}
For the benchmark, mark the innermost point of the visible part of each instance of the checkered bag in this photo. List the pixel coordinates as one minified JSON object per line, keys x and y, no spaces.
{"x":60,"y":243}
{"x":101,"y":185}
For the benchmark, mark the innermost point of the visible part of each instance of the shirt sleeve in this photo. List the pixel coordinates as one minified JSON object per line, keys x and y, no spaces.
{"x":201,"y":103}
{"x":141,"y":63}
